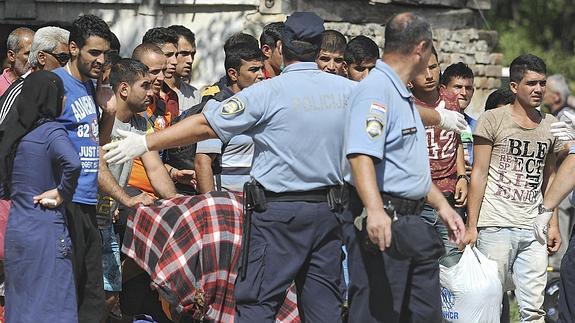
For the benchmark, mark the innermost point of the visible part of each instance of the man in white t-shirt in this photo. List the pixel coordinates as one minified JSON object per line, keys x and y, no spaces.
{"x":132,"y":85}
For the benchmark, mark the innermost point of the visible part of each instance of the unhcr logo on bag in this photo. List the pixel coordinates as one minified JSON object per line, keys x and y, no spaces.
{"x":447,"y":303}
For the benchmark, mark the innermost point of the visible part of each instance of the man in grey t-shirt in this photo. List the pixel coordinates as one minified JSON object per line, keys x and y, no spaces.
{"x":514,"y":161}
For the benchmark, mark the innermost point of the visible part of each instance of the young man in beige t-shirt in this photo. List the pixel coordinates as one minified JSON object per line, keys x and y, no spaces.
{"x":514,"y":161}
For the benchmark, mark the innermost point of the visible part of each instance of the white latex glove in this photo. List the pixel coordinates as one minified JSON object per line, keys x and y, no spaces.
{"x":564,"y":130}
{"x":570,"y":116}
{"x":120,"y":151}
{"x":451,"y":120}
{"x":540,"y":226}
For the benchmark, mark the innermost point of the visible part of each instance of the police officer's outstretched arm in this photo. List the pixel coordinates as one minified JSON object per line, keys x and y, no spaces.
{"x":451,"y":219}
{"x":190,"y":130}
{"x":378,"y":222}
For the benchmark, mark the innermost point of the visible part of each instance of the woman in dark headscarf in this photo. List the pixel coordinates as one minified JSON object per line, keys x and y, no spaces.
{"x":39,"y":168}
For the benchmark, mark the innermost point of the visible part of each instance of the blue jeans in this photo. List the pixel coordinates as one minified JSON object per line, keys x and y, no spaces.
{"x":452,"y":253}
{"x":522,"y":265}
{"x":111,"y":260}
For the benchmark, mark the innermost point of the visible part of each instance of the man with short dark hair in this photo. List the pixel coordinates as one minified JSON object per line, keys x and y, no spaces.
{"x":271,"y":45}
{"x":167,"y":40}
{"x":394,"y":272}
{"x":458,"y":80}
{"x":244,"y":65}
{"x":445,"y":152}
{"x":499,"y":98}
{"x":165,"y":107}
{"x":131,"y":82}
{"x":90,"y":39}
{"x":360,"y":56}
{"x":514,"y":164}
{"x":188,"y":96}
{"x":330,"y":58}
{"x":18,"y":44}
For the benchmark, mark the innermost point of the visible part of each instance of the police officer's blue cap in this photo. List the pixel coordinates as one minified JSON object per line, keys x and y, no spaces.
{"x":303,"y":26}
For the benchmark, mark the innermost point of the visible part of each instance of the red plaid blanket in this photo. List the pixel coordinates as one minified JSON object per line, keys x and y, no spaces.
{"x":190,"y":246}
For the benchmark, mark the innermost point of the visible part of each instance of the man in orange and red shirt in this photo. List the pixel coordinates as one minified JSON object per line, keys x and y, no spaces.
{"x":445,"y":149}
{"x":164,"y":107}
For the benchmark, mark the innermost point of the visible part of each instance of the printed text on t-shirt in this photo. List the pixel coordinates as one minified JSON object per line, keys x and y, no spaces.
{"x":520,"y":170}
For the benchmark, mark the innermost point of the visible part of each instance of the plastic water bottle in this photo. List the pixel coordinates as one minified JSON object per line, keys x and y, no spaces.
{"x":467,"y":135}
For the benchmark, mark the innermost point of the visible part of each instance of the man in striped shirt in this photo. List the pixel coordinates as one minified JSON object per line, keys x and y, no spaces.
{"x":244,"y":67}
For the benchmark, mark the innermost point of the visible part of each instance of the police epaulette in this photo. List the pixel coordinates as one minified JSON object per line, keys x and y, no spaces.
{"x":211,"y":90}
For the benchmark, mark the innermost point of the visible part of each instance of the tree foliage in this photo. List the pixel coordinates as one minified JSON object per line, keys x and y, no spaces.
{"x":545,"y":28}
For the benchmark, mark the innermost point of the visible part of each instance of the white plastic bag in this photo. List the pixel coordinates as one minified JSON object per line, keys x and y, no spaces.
{"x":471,"y":290}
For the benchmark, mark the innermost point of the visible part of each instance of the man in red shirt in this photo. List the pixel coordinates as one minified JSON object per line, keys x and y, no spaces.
{"x":445,"y":149}
{"x":271,"y":45}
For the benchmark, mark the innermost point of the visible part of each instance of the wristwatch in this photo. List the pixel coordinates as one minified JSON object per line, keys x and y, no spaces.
{"x":542,"y":209}
{"x":463,"y":176}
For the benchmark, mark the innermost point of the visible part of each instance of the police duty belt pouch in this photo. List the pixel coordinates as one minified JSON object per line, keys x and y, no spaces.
{"x":412,"y":238}
{"x":254,"y":196}
{"x":338,"y":198}
{"x":471,"y":290}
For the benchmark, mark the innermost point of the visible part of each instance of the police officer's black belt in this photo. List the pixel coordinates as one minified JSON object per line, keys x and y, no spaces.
{"x":236,"y":170}
{"x":315,"y":196}
{"x":403,"y":206}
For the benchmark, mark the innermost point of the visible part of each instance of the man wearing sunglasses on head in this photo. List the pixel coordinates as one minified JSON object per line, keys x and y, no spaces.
{"x":49,"y":51}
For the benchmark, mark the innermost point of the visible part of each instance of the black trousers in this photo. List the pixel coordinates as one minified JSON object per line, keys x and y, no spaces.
{"x":386,"y":288}
{"x":567,"y":291}
{"x":87,"y":261}
{"x":292,"y":241}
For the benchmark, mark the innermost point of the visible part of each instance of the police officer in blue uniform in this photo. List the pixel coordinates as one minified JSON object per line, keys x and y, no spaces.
{"x":296,"y":121}
{"x":393,"y":253}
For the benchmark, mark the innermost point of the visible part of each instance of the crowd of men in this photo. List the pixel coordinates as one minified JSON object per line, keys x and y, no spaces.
{"x":339,"y":145}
